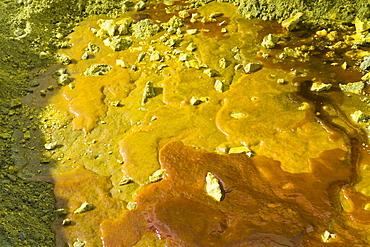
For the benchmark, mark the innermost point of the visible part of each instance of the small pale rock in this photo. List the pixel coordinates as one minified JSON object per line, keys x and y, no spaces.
{"x":292,"y":22}
{"x":157,"y":176}
{"x":252,"y":67}
{"x":108,"y":25}
{"x":97,"y":70}
{"x":352,"y":87}
{"x":359,"y":117}
{"x":63,"y":80}
{"x":50,"y":145}
{"x":211,"y":72}
{"x":192,"y":31}
{"x":213,"y":187}
{"x":148,"y":92}
{"x":122,"y":63}
{"x":131,"y":205}
{"x":84,"y":208}
{"x":320,"y":87}
{"x":270,"y":41}
{"x":219,"y":86}
{"x":241,"y":150}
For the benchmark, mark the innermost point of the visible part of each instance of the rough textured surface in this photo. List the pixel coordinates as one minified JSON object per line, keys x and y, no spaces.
{"x":316,"y":13}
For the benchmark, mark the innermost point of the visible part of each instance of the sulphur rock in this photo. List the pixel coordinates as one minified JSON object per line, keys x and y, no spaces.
{"x":60,"y":71}
{"x":117,"y":43}
{"x":366,"y":77}
{"x":122,"y":63}
{"x":237,"y":115}
{"x":155,"y":56}
{"x":270,"y":41}
{"x":192,"y":31}
{"x":223,"y":63}
{"x":124,"y":26}
{"x":125,"y":180}
{"x":198,"y":100}
{"x":215,"y":14}
{"x":97,"y":70}
{"x":78,"y":244}
{"x":175,"y":22}
{"x":352,"y":87}
{"x":361,"y":26}
{"x":144,"y":29}
{"x":191,"y":47}
{"x":5,"y":135}
{"x":320,"y":87}
{"x":220,"y":86}
{"x":184,"y":14}
{"x":108,"y":25}
{"x":85,"y":55}
{"x":63,"y":80}
{"x":211,"y":72}
{"x":213,"y":187}
{"x":304,"y":106}
{"x":292,"y":22}
{"x":327,"y":236}
{"x":91,"y":48}
{"x":359,"y":117}
{"x":365,"y":64}
{"x":252,"y":67}
{"x":241,"y":150}
{"x":66,"y":222}
{"x":157,"y":176}
{"x":64,"y":59}
{"x":141,"y":56}
{"x":44,"y":54}
{"x":131,"y":205}
{"x":84,"y":208}
{"x":141,"y":5}
{"x":50,"y":145}
{"x":148,"y":92}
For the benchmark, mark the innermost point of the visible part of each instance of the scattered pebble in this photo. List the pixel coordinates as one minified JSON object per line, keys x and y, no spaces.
{"x":241,"y":150}
{"x":63,"y":80}
{"x":252,"y":67}
{"x":213,"y":187}
{"x":359,"y":117}
{"x":320,"y":87}
{"x":84,"y":208}
{"x":131,"y":205}
{"x":352,"y":87}
{"x":292,"y":22}
{"x":157,"y":176}
{"x":220,"y":86}
{"x":148,"y":92}
{"x":270,"y":41}
{"x":211,"y":72}
{"x":66,"y":222}
{"x":97,"y":70}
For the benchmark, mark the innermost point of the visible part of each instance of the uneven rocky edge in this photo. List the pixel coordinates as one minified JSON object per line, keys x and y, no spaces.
{"x":317,"y":13}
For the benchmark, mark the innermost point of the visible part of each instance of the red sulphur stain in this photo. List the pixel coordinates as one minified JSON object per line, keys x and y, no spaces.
{"x":262,"y":205}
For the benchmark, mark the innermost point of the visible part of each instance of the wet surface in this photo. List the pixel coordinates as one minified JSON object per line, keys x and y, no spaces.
{"x":108,"y":135}
{"x":283,"y":208}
